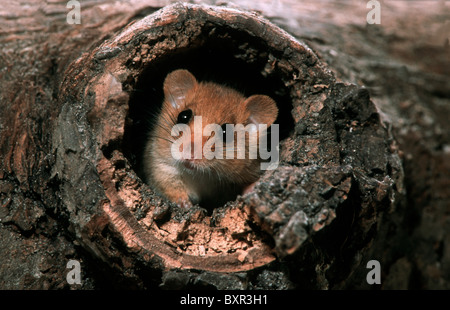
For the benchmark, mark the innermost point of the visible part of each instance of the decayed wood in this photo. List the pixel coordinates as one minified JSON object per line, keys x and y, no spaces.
{"x":96,"y":97}
{"x":69,"y":172}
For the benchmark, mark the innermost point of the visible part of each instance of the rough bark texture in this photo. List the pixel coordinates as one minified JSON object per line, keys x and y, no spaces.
{"x":364,"y":171}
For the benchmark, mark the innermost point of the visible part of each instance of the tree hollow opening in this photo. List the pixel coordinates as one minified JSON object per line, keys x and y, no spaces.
{"x":111,"y":94}
{"x":226,"y":57}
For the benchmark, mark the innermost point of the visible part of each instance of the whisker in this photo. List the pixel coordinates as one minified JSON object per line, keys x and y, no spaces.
{"x":162,"y":138}
{"x":163,"y":127}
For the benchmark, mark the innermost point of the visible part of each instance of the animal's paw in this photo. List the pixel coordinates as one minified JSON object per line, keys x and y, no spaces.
{"x":184,"y":203}
{"x":186,"y":200}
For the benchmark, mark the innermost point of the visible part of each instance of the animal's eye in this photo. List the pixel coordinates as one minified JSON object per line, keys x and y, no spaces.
{"x":184,"y":117}
{"x":225,"y":128}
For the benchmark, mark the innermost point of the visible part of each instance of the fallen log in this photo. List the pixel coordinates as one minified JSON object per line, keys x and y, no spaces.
{"x":307,"y":224}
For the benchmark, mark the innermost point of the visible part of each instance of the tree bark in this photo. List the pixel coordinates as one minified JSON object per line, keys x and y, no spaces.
{"x":75,"y":107}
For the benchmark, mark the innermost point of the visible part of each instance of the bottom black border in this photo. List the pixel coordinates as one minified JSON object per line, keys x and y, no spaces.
{"x":220,"y":299}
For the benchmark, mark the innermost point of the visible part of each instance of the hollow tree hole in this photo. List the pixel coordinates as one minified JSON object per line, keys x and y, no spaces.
{"x":108,"y":101}
{"x":233,"y":60}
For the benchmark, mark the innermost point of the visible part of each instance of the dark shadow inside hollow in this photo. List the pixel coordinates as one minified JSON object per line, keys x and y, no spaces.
{"x":213,"y":59}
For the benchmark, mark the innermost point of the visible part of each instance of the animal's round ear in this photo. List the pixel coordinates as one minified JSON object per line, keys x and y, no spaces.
{"x":176,"y":86}
{"x":262,"y":108}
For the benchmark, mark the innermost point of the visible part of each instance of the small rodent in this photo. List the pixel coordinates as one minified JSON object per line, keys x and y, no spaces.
{"x":209,"y":182}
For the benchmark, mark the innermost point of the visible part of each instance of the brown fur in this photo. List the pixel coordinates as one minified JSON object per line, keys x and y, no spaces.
{"x":213,"y":181}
